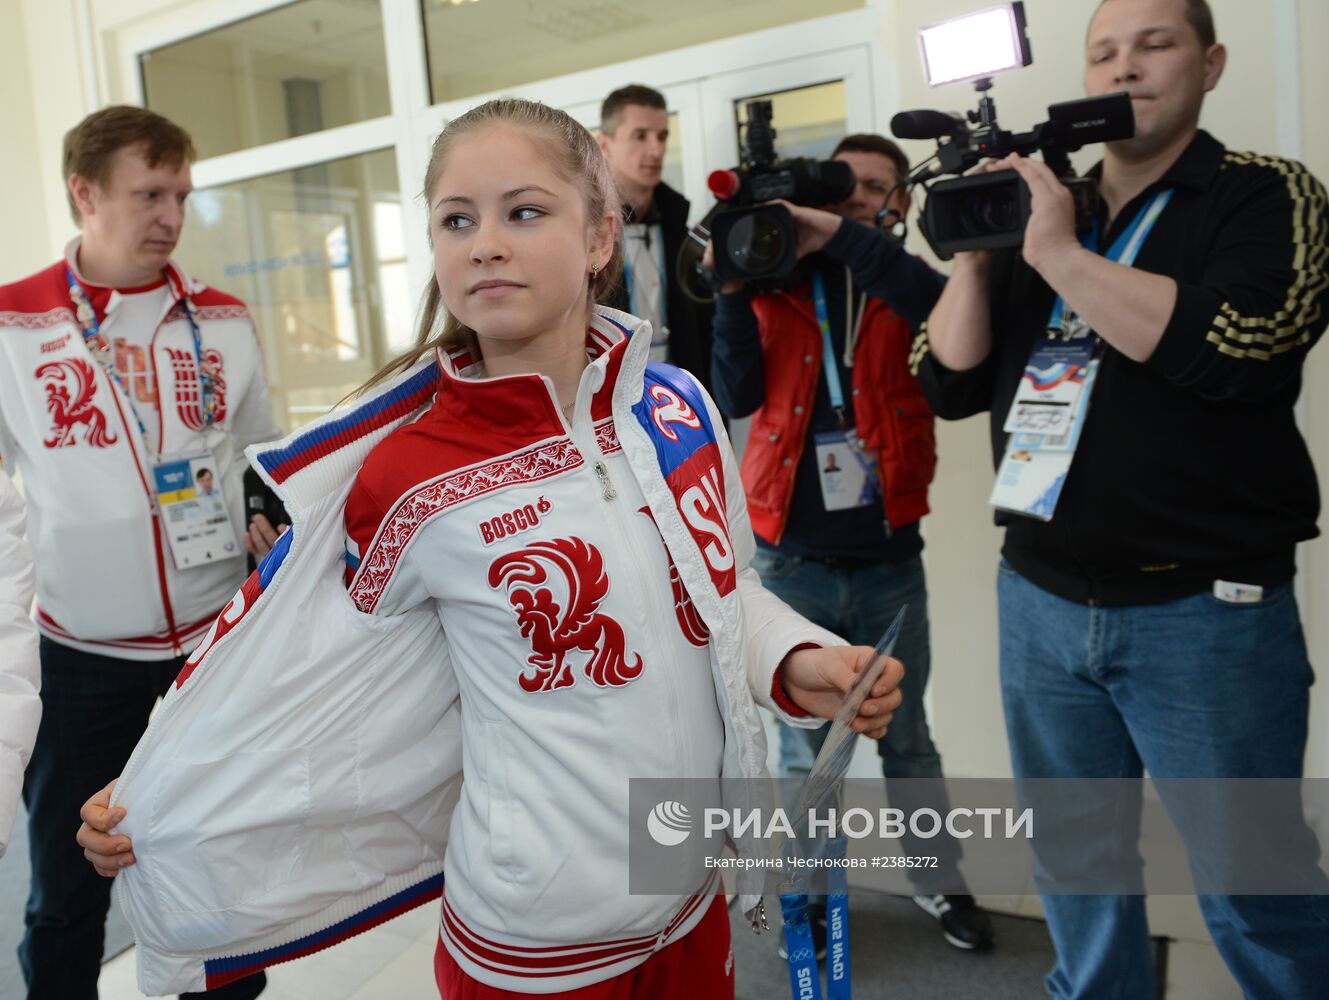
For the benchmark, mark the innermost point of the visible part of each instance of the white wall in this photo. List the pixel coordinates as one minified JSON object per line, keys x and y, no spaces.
{"x":24,"y":184}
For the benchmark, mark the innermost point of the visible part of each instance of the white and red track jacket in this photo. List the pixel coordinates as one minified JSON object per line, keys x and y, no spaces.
{"x":105,"y":579}
{"x":548,"y":607}
{"x":20,"y":672}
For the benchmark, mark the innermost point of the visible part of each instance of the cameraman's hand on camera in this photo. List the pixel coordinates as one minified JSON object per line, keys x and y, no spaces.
{"x":813,"y":227}
{"x":1050,"y":234}
{"x":1127,"y":307}
{"x":708,"y":260}
{"x":975,"y":263}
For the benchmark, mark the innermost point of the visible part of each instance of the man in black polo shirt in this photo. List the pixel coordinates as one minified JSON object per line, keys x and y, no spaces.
{"x":1147,"y":616}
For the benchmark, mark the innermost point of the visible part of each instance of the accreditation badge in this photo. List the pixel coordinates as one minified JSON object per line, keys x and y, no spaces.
{"x":847,"y":471}
{"x":1034,"y":466}
{"x":193,"y":511}
{"x":1051,"y":386}
{"x":1045,"y":420}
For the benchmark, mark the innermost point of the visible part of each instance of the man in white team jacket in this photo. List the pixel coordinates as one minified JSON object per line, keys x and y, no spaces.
{"x":119,"y":373}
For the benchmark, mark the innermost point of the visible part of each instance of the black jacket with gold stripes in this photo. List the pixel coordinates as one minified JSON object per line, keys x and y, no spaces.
{"x":1190,"y":467}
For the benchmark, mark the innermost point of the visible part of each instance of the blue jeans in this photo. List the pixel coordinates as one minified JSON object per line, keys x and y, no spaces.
{"x":858,"y":605}
{"x":1192,"y":688}
{"x":94,"y":709}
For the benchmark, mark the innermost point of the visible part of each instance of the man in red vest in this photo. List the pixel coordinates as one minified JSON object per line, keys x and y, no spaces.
{"x":837,"y":467}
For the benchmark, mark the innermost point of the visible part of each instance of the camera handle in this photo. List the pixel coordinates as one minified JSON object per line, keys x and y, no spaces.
{"x":695,"y":280}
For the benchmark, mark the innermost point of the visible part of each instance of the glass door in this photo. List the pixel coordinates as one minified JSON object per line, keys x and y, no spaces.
{"x":817,"y":100}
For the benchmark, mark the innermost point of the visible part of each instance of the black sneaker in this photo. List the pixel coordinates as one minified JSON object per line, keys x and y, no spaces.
{"x":817,"y":917}
{"x":964,"y":923}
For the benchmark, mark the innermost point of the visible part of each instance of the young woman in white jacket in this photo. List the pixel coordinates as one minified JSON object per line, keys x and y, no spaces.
{"x":20,"y":673}
{"x":572,"y":516}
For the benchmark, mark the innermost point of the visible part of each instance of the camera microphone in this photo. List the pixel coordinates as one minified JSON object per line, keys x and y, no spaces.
{"x":924,"y":124}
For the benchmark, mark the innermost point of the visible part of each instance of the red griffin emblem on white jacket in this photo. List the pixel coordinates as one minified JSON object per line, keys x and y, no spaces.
{"x":188,"y":402}
{"x":670,"y":408}
{"x":70,"y":384}
{"x":555,"y":631}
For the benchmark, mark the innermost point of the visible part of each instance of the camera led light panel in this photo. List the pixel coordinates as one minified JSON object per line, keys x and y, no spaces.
{"x":975,"y":46}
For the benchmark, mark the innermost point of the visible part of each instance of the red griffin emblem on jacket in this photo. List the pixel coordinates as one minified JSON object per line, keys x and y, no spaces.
{"x":689,"y":619}
{"x":670,"y":408}
{"x":555,"y":631}
{"x":188,"y":401}
{"x":70,"y":384}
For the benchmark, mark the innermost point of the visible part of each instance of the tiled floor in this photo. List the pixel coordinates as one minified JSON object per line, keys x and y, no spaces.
{"x":395,"y":962}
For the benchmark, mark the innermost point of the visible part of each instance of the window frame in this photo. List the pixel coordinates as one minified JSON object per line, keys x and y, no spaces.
{"x":412,"y":124}
{"x":847,"y":45}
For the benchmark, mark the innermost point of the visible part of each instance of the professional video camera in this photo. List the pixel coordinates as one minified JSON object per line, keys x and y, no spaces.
{"x":990,"y":210}
{"x":754,"y":241}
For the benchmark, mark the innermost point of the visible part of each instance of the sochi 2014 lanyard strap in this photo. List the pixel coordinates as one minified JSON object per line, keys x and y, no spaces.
{"x":832,"y":370}
{"x":804,"y":976}
{"x":1123,"y":251}
{"x":631,"y":285}
{"x":101,"y":350}
{"x":823,"y":786}
{"x":853,"y":320}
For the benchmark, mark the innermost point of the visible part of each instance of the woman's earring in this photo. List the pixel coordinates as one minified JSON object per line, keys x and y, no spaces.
{"x":595,"y":268}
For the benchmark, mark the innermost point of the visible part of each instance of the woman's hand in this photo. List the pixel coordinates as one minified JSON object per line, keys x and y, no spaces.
{"x":108,"y":852}
{"x":817,"y":680}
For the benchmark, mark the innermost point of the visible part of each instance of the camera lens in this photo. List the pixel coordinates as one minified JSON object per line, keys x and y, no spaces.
{"x":988,"y":212}
{"x":755,"y":244}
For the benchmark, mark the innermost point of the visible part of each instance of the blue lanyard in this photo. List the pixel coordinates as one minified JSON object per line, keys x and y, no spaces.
{"x":837,"y":927}
{"x":827,"y":348}
{"x":804,"y":976}
{"x":1124,"y":250}
{"x":101,"y":351}
{"x":627,"y":277}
